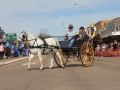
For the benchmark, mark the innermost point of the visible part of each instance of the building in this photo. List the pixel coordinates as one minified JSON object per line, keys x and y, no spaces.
{"x":111,"y":30}
{"x":100,"y":25}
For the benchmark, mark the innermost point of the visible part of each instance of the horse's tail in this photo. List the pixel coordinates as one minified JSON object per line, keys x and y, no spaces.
{"x":57,"y":43}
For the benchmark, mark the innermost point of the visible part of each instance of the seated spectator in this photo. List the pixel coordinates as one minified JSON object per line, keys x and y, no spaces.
{"x":98,"y":47}
{"x":12,"y":51}
{"x":103,"y":47}
{"x":110,"y":46}
{"x":12,"y":45}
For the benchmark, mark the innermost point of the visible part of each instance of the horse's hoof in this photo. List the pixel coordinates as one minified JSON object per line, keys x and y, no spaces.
{"x":50,"y":67}
{"x":29,"y":69}
{"x":41,"y":69}
{"x":62,"y":66}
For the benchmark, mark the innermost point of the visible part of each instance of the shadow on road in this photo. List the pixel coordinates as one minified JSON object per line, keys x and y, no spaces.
{"x":56,"y":67}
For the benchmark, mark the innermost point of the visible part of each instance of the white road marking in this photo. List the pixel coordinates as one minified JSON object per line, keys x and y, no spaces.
{"x":27,"y":63}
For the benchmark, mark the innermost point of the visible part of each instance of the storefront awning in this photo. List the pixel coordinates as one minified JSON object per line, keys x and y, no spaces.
{"x":111,"y":39}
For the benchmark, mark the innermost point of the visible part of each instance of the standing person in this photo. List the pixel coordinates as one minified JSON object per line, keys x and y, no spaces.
{"x":115,"y":45}
{"x":1,"y":51}
{"x":20,"y":48}
{"x":17,"y":53}
{"x":22,"y":44}
{"x":70,"y":35}
{"x":7,"y":45}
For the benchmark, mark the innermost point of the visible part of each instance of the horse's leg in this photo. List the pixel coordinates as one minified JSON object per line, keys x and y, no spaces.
{"x":59,"y":56}
{"x":40,"y":58}
{"x":30,"y":58}
{"x":51,"y":59}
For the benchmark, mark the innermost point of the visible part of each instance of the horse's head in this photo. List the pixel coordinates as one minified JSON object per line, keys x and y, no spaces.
{"x":97,"y":39}
{"x":23,"y":36}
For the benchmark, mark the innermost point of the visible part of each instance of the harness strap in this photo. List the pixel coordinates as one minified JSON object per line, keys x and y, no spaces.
{"x":45,"y":44}
{"x":35,"y":41}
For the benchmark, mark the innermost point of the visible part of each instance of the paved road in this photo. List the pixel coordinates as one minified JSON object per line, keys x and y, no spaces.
{"x":103,"y":74}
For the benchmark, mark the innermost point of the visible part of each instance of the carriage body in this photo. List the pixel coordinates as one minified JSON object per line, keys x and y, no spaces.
{"x":84,"y":51}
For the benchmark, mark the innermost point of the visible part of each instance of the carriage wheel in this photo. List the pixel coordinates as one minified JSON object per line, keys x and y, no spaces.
{"x":63,"y":56}
{"x":87,"y":54}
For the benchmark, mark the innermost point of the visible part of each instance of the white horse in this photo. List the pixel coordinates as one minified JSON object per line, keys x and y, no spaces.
{"x":34,"y":41}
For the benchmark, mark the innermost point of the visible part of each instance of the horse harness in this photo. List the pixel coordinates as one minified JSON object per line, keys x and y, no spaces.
{"x":44,"y":46}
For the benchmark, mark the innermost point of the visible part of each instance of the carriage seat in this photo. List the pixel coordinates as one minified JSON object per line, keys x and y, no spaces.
{"x":64,"y":44}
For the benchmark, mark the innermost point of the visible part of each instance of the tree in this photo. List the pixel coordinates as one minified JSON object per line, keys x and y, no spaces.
{"x":43,"y":33}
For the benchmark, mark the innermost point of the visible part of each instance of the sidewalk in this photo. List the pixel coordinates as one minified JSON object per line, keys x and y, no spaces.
{"x":109,"y":58}
{"x":11,"y":60}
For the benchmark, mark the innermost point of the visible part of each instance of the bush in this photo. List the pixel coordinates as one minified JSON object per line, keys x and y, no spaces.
{"x":44,"y":34}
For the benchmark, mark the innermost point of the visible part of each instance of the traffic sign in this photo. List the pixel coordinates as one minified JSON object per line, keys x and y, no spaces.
{"x":11,"y":36}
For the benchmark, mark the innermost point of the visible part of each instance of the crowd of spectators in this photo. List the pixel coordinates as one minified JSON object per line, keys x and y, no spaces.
{"x":108,"y":50}
{"x":14,"y":50}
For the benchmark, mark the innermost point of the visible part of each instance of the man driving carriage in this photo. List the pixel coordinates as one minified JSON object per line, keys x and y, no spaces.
{"x":70,"y":35}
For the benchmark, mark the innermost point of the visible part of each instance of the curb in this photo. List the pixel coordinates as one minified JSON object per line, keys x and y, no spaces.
{"x":8,"y":62}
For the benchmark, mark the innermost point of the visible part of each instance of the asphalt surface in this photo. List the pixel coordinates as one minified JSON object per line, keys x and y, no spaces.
{"x":103,"y":74}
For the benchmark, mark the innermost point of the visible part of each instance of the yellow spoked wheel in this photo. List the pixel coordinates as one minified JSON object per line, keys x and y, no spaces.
{"x":87,"y":54}
{"x":63,"y":56}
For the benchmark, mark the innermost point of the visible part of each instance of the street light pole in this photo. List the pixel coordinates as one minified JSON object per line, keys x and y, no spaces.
{"x":87,"y":9}
{"x":11,"y":25}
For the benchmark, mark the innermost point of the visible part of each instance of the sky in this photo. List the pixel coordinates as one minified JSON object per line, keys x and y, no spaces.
{"x":54,"y":15}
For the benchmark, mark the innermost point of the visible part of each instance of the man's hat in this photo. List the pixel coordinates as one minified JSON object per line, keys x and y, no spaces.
{"x":81,"y":28}
{"x":70,"y":26}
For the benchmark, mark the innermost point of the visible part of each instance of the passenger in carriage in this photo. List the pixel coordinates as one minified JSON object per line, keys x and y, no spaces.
{"x":91,"y":33}
{"x":70,"y":35}
{"x":79,"y":35}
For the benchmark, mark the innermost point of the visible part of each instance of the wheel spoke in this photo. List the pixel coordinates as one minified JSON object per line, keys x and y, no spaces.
{"x":87,"y":54}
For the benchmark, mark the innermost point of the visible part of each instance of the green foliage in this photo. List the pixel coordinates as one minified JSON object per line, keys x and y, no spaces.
{"x":43,"y":33}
